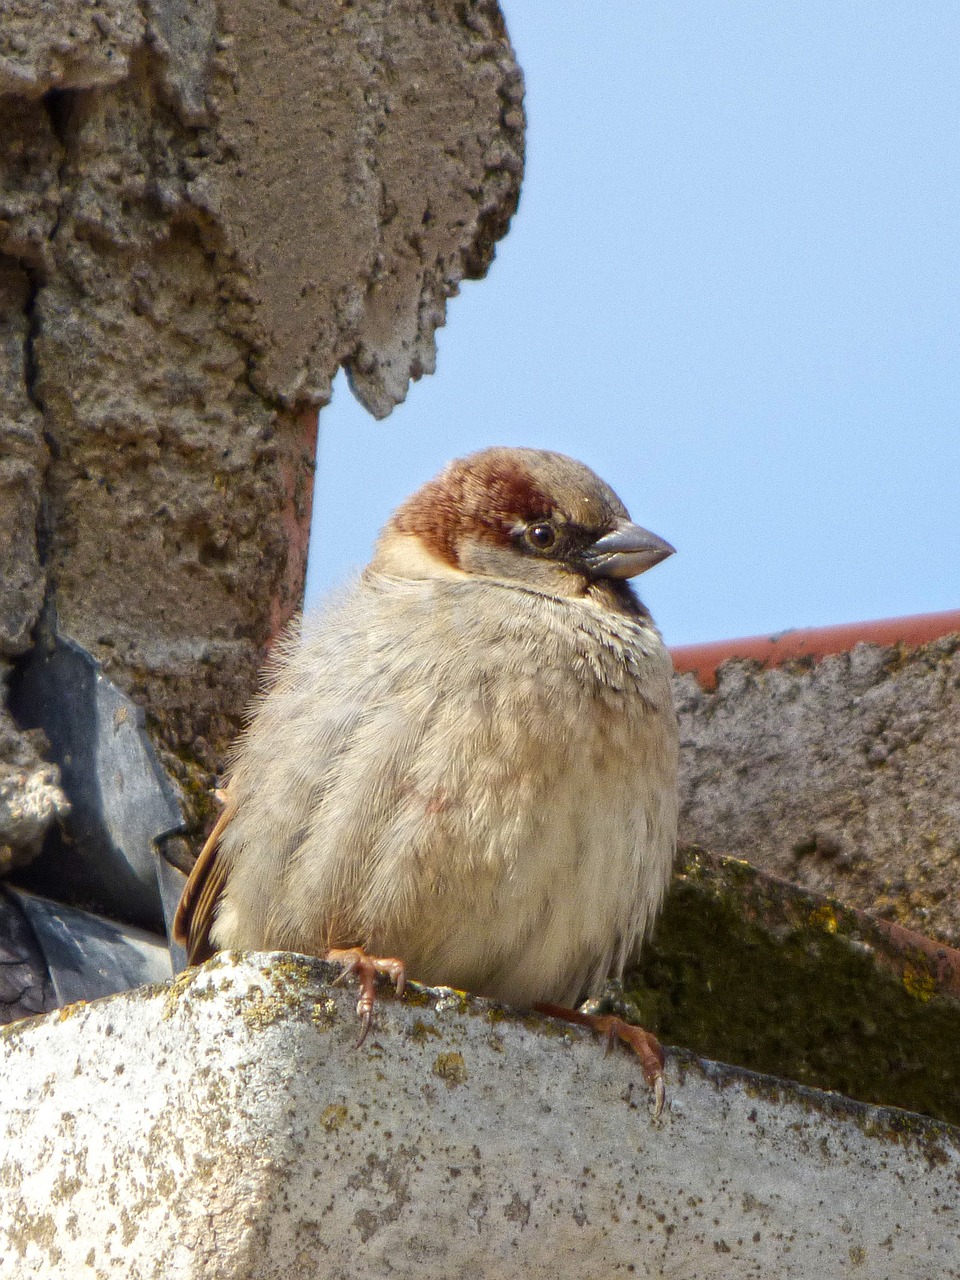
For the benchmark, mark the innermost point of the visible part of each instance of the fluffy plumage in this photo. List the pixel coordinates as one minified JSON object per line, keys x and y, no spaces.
{"x":468,"y":760}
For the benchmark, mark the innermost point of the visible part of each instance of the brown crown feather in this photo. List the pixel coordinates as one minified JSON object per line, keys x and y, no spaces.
{"x":484,"y":496}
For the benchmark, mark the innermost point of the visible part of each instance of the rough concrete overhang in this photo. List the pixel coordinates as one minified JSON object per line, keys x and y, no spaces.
{"x":226,"y":1125}
{"x":836,"y":770}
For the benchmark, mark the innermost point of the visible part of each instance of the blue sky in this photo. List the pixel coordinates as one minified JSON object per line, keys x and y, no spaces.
{"x":732,"y":289}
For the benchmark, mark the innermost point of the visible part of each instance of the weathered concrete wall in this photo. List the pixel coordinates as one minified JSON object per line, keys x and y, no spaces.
{"x":228,"y":1127}
{"x":204,"y":211}
{"x":843,"y":776}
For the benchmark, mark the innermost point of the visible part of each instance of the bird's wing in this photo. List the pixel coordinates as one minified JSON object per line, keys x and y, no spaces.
{"x":198,"y":902}
{"x":315,"y":701}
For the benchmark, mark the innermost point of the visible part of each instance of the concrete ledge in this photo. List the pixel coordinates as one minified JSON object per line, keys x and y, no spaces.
{"x":225,"y":1126}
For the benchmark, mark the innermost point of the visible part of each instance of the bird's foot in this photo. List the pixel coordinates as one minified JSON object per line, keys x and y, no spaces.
{"x":356,"y":961}
{"x":645,"y":1045}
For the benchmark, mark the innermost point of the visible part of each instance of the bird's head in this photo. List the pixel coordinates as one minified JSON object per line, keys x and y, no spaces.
{"x":526,"y":516}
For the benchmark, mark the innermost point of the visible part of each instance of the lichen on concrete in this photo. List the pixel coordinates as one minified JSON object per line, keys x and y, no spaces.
{"x":175,"y":1137}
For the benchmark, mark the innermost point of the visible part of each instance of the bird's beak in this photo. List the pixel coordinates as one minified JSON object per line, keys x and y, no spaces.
{"x":627,"y":551}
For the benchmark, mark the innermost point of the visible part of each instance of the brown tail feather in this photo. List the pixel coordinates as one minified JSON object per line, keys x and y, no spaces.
{"x":196,"y":910}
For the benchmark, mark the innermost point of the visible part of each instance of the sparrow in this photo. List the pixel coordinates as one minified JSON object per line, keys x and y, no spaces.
{"x":465,"y":767}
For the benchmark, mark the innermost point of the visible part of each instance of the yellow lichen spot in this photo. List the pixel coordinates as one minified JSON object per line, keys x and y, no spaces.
{"x":181,"y":983}
{"x":451,"y":1068}
{"x":824,"y":918}
{"x":421,"y":1032}
{"x":418,"y":996}
{"x":69,"y":1010}
{"x":334,"y":1116}
{"x":258,"y":1010}
{"x":324,"y":1013}
{"x":290,"y":968}
{"x":918,"y":982}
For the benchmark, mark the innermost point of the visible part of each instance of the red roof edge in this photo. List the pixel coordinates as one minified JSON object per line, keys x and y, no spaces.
{"x":812,"y":642}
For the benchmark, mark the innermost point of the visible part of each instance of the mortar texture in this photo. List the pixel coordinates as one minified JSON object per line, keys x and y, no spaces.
{"x":227,"y":1126}
{"x":841,"y":776}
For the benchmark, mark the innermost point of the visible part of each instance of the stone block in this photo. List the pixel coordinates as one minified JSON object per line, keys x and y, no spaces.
{"x":226,"y":1126}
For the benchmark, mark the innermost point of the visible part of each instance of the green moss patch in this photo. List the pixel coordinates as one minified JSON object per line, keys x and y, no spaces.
{"x":750,"y":970}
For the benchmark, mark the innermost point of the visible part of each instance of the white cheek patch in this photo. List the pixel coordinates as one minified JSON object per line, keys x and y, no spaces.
{"x":404,"y":555}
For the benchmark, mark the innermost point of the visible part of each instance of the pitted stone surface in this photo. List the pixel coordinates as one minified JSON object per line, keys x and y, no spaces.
{"x":227,"y":1126}
{"x":66,"y":44}
{"x":842,"y":776}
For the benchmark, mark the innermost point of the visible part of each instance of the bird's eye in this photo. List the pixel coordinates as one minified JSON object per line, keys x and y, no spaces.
{"x":541,"y":535}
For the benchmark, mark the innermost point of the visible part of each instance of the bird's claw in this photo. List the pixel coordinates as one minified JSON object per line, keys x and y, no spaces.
{"x":366,"y":1017}
{"x":659,"y":1096}
{"x":643,"y":1043}
{"x":354,"y":960}
{"x":647,"y":1048}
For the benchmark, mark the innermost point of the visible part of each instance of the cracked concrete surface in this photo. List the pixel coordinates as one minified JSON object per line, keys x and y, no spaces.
{"x":204,"y":212}
{"x":228,"y":1125}
{"x":30,"y":794}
